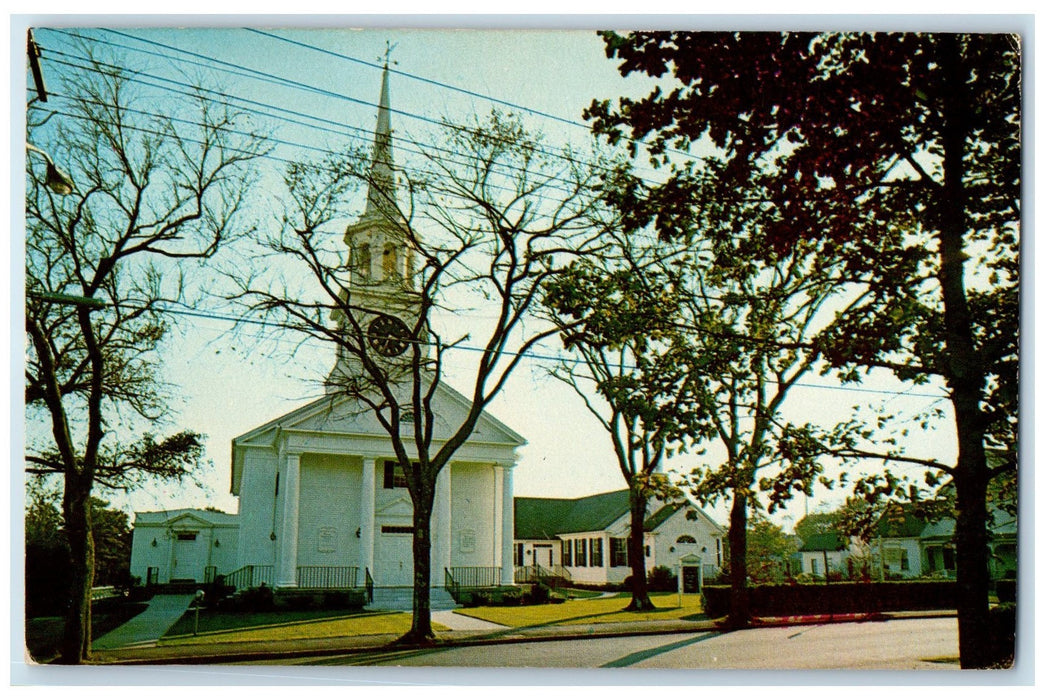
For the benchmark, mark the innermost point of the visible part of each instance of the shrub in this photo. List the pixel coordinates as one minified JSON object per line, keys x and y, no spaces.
{"x":539,"y":594}
{"x":260,"y":599}
{"x":835,"y":598}
{"x":662,"y":579}
{"x":1005,"y":589}
{"x":1002,"y":635}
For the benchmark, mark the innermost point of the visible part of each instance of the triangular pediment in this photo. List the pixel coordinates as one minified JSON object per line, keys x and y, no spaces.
{"x":348,"y":416}
{"x":188,"y":521}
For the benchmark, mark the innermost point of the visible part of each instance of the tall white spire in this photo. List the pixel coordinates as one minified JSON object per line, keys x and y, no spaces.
{"x":380,"y":200}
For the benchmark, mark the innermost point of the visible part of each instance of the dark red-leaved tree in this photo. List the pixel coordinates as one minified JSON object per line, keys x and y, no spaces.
{"x":867,"y":136}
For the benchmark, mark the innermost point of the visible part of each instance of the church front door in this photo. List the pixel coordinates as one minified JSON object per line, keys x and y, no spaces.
{"x":394,"y":556}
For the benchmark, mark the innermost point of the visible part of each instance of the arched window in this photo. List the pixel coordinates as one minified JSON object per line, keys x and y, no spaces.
{"x":361,"y":264}
{"x":388,"y":262}
{"x":685,"y":539}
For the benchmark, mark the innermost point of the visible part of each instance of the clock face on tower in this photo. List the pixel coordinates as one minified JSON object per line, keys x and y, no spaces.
{"x":388,"y":335}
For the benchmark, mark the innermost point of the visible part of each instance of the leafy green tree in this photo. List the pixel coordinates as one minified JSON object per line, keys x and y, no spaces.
{"x":47,"y":549}
{"x":769,"y":550}
{"x":817,"y":524}
{"x":620,"y":313}
{"x":897,"y":148}
{"x":715,"y":341}
{"x":101,"y":258}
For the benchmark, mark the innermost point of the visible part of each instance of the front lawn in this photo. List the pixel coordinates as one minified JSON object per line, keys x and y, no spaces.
{"x":590,"y":611}
{"x":216,"y":627}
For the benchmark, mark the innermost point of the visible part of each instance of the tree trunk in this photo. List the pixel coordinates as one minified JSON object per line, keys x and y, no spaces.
{"x":76,"y":509}
{"x":421,"y":626}
{"x":739,"y":608}
{"x":640,"y":599}
{"x":964,"y":373}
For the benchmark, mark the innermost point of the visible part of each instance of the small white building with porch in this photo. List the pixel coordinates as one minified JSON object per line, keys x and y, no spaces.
{"x":184,"y":545}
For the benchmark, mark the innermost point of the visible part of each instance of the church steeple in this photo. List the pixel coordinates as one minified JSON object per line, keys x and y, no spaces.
{"x":380,"y":292}
{"x":381,"y":188}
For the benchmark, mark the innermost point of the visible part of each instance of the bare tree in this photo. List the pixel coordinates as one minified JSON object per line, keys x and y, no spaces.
{"x":480,"y":222}
{"x":149,"y":194}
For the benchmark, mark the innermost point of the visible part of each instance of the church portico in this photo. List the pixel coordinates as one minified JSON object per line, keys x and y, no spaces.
{"x":338,"y":511}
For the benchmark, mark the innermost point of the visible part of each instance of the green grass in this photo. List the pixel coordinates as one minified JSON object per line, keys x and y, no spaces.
{"x":590,"y":611}
{"x":221,"y":627}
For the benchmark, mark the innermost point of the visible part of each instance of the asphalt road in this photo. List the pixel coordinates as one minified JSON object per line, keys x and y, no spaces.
{"x":919,"y":644}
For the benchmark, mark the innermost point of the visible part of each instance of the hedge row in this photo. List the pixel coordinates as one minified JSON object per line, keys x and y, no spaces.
{"x":836,"y":598}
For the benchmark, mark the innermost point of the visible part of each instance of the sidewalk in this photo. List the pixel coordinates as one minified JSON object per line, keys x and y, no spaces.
{"x":149,"y":625}
{"x":230,"y":652}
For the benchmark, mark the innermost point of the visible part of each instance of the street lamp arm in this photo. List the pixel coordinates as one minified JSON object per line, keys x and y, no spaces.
{"x":56,"y":181}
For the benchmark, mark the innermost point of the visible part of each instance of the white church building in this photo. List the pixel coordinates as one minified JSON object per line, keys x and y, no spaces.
{"x":320,"y":500}
{"x":321,"y":504}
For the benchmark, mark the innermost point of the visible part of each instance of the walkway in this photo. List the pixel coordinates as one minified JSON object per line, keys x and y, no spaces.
{"x":148,"y":626}
{"x":455,"y":621}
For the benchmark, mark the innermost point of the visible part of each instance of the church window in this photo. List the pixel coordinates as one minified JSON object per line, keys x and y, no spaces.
{"x":685,"y":539}
{"x":362,"y":262}
{"x":389,"y":263}
{"x":518,"y":553}
{"x":567,"y":552}
{"x":187,"y":536}
{"x":394,"y":476}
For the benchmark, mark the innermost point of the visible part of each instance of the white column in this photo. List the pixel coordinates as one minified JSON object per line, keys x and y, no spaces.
{"x":507,"y":526}
{"x":287,"y":537}
{"x":366,"y":518}
{"x":498,"y":487}
{"x":441,"y":528}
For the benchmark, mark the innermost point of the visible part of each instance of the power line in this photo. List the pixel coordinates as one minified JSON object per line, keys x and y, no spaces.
{"x":537,"y":357}
{"x":291,"y":83}
{"x":455,"y":88}
{"x":426,"y":147}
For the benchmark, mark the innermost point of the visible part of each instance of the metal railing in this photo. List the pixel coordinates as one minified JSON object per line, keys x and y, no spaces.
{"x":327,"y":576}
{"x":554,"y":576}
{"x":103,"y":592}
{"x":475,"y":576}
{"x":250,"y":576}
{"x":369,"y":587}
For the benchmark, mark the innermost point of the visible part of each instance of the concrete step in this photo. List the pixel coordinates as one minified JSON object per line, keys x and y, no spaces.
{"x":402,"y":598}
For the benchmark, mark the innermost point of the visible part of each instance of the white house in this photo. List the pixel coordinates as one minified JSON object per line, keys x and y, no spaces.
{"x":183,"y":545}
{"x":586,"y":538}
{"x":825,"y":553}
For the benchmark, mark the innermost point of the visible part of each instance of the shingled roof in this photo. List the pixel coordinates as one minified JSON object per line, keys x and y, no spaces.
{"x":823,"y":542}
{"x":546,"y":518}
